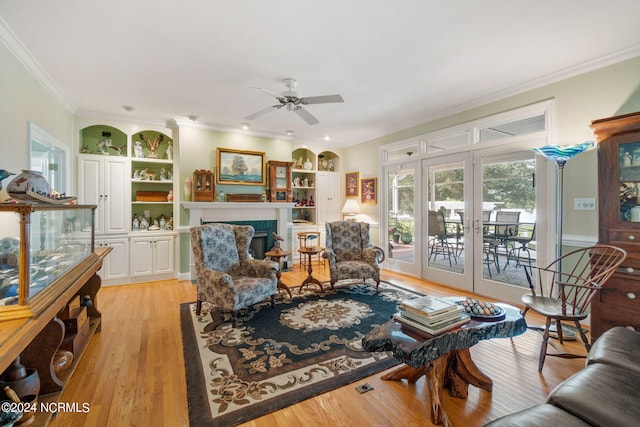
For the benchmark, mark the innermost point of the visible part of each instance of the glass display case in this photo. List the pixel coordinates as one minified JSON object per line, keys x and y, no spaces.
{"x":42,"y":247}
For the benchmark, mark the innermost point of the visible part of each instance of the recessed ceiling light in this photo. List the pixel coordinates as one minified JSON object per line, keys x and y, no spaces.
{"x":193,"y":118}
{"x":327,"y":137}
{"x":289,"y":132}
{"x":128,"y":108}
{"x":245,"y":126}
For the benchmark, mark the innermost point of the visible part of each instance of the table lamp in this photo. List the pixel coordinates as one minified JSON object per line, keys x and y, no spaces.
{"x":350,"y":209}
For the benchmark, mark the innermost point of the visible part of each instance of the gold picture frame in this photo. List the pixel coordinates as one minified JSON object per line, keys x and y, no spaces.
{"x":240,"y":167}
{"x":351,"y":184}
{"x":369,"y":190}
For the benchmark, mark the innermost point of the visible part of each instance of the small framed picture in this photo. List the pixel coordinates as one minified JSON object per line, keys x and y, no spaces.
{"x":368,"y":190}
{"x":351,"y":184}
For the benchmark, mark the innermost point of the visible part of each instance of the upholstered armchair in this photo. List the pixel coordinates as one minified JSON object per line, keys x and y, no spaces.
{"x":350,"y":254}
{"x":227,"y":276}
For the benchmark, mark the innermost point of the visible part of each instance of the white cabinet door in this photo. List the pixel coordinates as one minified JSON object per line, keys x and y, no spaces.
{"x":116,"y":183}
{"x":90,"y":189}
{"x":116,"y":264}
{"x":164,"y":255}
{"x":103,"y":181}
{"x":329,"y":200}
{"x":152,"y":255}
{"x":141,"y":256}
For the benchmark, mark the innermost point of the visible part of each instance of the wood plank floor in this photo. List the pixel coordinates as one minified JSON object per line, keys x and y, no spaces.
{"x":133,"y":371}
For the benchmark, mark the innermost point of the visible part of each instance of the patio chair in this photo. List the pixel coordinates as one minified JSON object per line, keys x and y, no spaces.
{"x":519,"y":244}
{"x":226,"y":275}
{"x":439,"y":243}
{"x":564,"y":289}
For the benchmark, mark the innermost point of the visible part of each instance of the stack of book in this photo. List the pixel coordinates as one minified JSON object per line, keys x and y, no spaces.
{"x":431,"y":314}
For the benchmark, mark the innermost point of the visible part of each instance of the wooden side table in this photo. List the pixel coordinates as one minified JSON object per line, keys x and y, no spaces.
{"x":310,"y":252}
{"x":275,"y":256}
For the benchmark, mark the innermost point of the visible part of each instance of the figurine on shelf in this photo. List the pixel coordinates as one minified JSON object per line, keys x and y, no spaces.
{"x":152,"y":146}
{"x":144,"y":223}
{"x":155,"y":226}
{"x":169,"y":225}
{"x":308,"y":165}
{"x":296,"y":181}
{"x":163,"y":174}
{"x":105,"y":144}
{"x":170,"y":196}
{"x":135,"y":226}
{"x":169,"y":150}
{"x":162,"y":222}
{"x":137,"y":149}
{"x":136,"y":174}
{"x":298,"y":163}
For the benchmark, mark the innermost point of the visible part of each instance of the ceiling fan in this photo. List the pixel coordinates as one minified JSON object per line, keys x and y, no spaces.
{"x":289,"y":99}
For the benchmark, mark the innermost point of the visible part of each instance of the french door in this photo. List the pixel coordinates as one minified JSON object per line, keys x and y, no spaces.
{"x":474,"y":250}
{"x":403,"y":238}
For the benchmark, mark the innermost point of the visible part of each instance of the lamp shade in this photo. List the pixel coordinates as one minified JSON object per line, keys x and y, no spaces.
{"x":351,"y":207}
{"x":561,"y":155}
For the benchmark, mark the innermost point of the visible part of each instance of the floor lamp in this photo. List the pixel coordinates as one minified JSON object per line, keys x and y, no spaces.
{"x":560,"y":156}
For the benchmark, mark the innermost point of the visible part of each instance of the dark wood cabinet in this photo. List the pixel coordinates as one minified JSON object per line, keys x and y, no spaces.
{"x":280,"y":181}
{"x":618,"y":303}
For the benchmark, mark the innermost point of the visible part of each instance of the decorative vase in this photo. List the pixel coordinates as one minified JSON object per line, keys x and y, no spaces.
{"x":28,"y":180}
{"x":188,"y":185}
{"x":24,"y":381}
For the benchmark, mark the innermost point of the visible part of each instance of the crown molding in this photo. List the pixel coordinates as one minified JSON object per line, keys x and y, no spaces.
{"x":15,"y":46}
{"x":576,"y":70}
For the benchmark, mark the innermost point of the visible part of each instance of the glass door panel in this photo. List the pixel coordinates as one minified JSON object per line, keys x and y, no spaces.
{"x":446,"y":204}
{"x":401,"y":189}
{"x":507,"y":223}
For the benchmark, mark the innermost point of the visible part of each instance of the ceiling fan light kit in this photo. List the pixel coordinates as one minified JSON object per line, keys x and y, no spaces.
{"x":290,"y":100}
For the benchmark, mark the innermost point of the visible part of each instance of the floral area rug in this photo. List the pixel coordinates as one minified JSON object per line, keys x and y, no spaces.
{"x":277,"y":357}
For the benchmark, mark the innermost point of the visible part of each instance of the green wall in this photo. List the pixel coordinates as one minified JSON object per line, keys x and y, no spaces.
{"x":605,"y":92}
{"x":197,"y":150}
{"x":24,"y":99}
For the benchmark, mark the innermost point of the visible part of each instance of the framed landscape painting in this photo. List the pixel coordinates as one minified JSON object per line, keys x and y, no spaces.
{"x":368,"y":190}
{"x":240,"y":167}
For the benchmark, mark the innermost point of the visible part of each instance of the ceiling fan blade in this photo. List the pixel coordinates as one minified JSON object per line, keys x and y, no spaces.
{"x":321,"y":99}
{"x":261,"y":112}
{"x":306,"y":116}
{"x":267,"y":91}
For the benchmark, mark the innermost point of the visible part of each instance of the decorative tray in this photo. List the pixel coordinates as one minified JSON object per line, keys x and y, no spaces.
{"x":482,"y":311}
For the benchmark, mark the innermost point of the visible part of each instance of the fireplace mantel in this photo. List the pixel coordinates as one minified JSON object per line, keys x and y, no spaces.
{"x":200,"y":212}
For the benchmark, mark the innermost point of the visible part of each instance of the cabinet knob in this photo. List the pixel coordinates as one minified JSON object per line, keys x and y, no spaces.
{"x":631,"y":295}
{"x":630,"y":269}
{"x":632,"y":237}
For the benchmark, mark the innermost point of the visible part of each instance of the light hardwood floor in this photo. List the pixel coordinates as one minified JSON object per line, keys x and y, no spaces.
{"x":133,"y":371}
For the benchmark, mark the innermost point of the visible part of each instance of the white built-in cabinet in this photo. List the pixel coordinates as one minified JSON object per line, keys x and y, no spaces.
{"x":315,"y":176}
{"x":116,"y":265}
{"x":152,"y":256}
{"x":123,"y":183}
{"x":104,"y":182}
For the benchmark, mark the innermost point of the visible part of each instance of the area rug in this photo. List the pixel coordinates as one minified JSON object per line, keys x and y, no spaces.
{"x":277,"y":357}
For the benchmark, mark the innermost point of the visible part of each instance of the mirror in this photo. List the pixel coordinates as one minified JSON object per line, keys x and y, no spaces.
{"x":49,"y":157}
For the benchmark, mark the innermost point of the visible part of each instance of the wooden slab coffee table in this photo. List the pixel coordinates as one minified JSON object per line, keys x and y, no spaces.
{"x":444,"y":359}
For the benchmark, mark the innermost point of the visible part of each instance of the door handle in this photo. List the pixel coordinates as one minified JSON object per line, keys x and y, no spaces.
{"x":476,"y":227}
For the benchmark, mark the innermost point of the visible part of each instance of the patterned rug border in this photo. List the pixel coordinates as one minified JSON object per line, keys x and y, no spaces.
{"x":197,"y":393}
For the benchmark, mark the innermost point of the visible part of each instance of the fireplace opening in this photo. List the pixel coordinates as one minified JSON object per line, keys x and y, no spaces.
{"x":258,"y":244}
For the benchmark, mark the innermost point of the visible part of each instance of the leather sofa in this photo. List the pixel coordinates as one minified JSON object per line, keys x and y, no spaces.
{"x":605,"y":393}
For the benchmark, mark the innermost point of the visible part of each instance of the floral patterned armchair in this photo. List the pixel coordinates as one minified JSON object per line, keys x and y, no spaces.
{"x":227,"y":276}
{"x":350,"y":254}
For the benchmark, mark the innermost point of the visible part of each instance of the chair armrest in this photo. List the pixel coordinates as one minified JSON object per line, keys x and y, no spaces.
{"x":373,"y":255}
{"x":263,"y":268}
{"x":329,"y":254}
{"x":217,"y":278}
